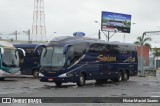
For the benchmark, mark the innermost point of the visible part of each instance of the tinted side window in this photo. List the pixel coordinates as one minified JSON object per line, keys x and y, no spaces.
{"x":121,"y":49}
{"x":79,"y":49}
{"x":108,"y":49}
{"x":97,"y":48}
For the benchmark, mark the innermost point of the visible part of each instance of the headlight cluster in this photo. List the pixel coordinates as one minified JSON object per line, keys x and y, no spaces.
{"x":63,"y":75}
{"x":2,"y":72}
{"x":66,"y":75}
{"x":41,"y":75}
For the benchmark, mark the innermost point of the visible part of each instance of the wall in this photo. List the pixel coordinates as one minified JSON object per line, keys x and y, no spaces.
{"x":145,"y":54}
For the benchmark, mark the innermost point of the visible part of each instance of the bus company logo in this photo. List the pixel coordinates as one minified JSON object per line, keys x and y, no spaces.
{"x":103,"y":58}
{"x":6,"y":100}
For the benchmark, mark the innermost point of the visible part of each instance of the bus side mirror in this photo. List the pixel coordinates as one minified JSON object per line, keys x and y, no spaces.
{"x":84,"y":51}
{"x":36,"y":51}
{"x":66,"y":48}
{"x":24,"y":53}
{"x":2,"y":50}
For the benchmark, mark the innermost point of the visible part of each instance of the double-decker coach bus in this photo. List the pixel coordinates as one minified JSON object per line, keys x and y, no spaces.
{"x":77,"y":59}
{"x":9,"y":60}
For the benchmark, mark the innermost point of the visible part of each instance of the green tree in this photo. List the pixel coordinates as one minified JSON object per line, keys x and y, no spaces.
{"x":143,"y":41}
{"x":156,"y":53}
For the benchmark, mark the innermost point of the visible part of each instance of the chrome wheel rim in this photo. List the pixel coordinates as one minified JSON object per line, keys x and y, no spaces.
{"x":120,"y":77}
{"x":82,"y":80}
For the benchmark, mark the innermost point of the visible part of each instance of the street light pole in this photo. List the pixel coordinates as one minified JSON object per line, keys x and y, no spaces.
{"x":99,"y":31}
{"x":51,"y":35}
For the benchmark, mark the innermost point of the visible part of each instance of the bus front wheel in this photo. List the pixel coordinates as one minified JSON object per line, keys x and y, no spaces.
{"x":35,"y":73}
{"x":81,"y":81}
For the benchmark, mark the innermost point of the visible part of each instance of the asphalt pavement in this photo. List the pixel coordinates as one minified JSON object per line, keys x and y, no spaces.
{"x":135,"y":87}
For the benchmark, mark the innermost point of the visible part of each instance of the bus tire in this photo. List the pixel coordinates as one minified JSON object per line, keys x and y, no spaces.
{"x":58,"y":84}
{"x":125,"y":76}
{"x":35,"y":73}
{"x":119,"y":77}
{"x":81,"y":81}
{"x":1,"y":79}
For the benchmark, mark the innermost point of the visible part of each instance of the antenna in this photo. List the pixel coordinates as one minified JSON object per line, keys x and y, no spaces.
{"x":38,"y":25}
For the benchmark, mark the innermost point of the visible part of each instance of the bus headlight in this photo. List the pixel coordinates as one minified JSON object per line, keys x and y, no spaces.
{"x":41,"y":75}
{"x":69,"y":75}
{"x":63,"y":75}
{"x":2,"y":72}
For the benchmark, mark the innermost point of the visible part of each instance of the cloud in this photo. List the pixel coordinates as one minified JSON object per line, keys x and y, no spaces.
{"x":68,"y":16}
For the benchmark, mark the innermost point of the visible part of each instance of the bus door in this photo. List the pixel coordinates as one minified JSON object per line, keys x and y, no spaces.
{"x":27,"y":62}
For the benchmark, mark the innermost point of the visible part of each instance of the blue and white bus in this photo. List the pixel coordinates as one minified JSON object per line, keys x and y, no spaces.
{"x":9,"y":60}
{"x":77,"y":59}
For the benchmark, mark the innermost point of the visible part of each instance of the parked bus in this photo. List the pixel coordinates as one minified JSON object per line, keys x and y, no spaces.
{"x":9,"y":60}
{"x":29,"y":65}
{"x":77,"y":59}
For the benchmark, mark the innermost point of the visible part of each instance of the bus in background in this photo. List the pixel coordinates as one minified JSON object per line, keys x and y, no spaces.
{"x":29,"y":65}
{"x":77,"y":59}
{"x":9,"y":60}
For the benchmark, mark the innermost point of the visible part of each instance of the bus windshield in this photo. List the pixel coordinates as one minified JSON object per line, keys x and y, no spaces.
{"x":10,"y":58}
{"x":53,"y":56}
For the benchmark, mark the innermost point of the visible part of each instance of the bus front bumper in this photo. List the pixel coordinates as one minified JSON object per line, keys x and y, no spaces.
{"x":4,"y":74}
{"x":58,"y":79}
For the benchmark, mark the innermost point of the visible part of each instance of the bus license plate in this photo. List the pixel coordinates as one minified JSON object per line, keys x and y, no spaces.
{"x":50,"y":79}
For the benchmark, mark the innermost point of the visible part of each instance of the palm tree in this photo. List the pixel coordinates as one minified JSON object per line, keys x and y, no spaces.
{"x":142,"y":41}
{"x":156,"y":52}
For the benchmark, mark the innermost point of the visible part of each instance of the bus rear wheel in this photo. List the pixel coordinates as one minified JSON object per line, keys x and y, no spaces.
{"x":119,"y":77}
{"x":35,"y":73}
{"x":125,"y":76}
{"x":81,"y":81}
{"x":58,"y":84}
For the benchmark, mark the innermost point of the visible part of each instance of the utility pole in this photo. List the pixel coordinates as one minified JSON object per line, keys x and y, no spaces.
{"x":99,"y":34}
{"x":16,"y":35}
{"x":28,"y":32}
{"x":29,"y":35}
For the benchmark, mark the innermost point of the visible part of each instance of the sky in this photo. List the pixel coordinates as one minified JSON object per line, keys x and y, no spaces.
{"x":64,"y":17}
